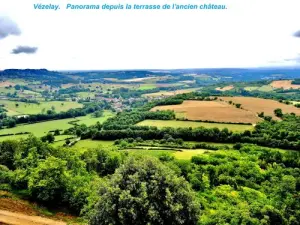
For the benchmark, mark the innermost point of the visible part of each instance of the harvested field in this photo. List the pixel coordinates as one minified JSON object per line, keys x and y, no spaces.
{"x":285,"y":84}
{"x":212,"y":111}
{"x":227,"y":88}
{"x":257,"y":105}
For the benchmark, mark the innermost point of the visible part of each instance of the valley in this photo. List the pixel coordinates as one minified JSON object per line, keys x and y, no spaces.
{"x":224,"y":140}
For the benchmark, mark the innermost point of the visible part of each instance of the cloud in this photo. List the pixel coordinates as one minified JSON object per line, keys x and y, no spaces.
{"x":8,"y":27}
{"x":24,"y":49}
{"x":297,"y":34}
{"x":295,"y":59}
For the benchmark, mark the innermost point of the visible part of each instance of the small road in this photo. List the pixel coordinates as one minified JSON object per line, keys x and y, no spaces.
{"x":11,"y":218}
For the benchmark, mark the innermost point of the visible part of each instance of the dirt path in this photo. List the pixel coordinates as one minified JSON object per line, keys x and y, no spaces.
{"x":11,"y":218}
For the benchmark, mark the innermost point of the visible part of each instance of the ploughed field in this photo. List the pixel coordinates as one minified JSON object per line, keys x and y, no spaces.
{"x":221,"y":111}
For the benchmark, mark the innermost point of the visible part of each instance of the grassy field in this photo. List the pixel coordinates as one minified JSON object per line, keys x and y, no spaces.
{"x":86,"y":94}
{"x":40,"y":129}
{"x":146,"y":86}
{"x":21,"y":108}
{"x":155,"y":153}
{"x":13,"y":137}
{"x":176,"y":124}
{"x":170,"y":93}
{"x":185,"y":154}
{"x":188,"y":154}
{"x":88,"y":143}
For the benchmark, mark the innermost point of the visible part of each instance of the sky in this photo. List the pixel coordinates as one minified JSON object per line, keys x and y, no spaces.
{"x":250,"y":33}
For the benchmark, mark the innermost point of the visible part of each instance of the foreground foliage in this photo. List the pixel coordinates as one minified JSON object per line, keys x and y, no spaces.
{"x":248,"y":185}
{"x":145,"y":192}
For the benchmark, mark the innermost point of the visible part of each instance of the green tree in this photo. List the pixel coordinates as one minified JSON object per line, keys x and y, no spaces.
{"x":143,"y":191}
{"x":238,"y":105}
{"x":56,"y":132}
{"x":7,"y":150}
{"x":278,"y":112}
{"x":47,"y":181}
{"x":49,"y":137}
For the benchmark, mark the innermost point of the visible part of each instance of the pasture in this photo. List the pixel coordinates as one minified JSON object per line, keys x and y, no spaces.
{"x":216,"y":111}
{"x":257,"y":105}
{"x":23,"y":108}
{"x":187,"y":124}
{"x":42,"y":128}
{"x":146,"y":86}
{"x":88,"y":143}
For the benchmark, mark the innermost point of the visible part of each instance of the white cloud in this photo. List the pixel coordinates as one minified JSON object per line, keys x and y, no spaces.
{"x":249,"y":33}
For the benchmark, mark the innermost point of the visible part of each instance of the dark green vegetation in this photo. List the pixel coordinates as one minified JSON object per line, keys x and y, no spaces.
{"x":248,"y":185}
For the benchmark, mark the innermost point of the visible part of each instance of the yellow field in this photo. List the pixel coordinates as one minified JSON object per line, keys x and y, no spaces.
{"x":188,"y":154}
{"x":170,"y":93}
{"x":227,"y":88}
{"x":212,"y":111}
{"x":285,"y":84}
{"x":257,"y":105}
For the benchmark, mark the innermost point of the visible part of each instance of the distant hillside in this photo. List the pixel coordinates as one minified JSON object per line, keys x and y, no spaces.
{"x":46,"y":76}
{"x":212,"y":75}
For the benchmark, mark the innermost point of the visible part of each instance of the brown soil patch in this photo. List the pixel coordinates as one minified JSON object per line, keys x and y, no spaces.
{"x":212,"y":111}
{"x":16,"y":211}
{"x":7,"y":217}
{"x":227,"y":88}
{"x":257,"y":105}
{"x":7,"y":84}
{"x":285,"y":84}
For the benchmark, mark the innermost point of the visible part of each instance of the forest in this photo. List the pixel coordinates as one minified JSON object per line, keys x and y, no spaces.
{"x":247,"y":185}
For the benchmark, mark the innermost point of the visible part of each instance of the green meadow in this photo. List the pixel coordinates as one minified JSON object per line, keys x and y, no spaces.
{"x":186,"y":124}
{"x":23,"y":108}
{"x":40,"y":129}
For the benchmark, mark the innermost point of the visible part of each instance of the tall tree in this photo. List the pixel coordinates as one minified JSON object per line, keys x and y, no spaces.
{"x":143,"y":191}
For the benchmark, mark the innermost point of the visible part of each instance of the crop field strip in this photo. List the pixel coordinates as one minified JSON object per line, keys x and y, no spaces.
{"x":187,"y":124}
